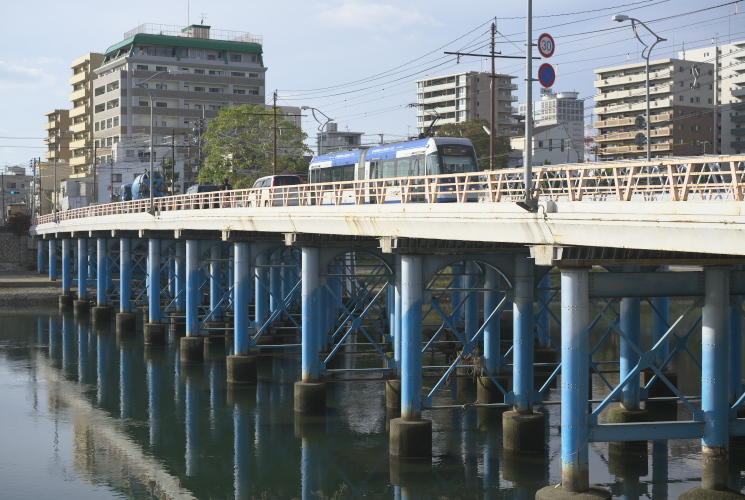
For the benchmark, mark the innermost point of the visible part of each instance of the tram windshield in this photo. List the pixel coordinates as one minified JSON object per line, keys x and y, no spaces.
{"x":451,"y":159}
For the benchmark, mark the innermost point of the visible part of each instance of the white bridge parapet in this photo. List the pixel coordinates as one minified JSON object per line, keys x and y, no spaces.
{"x":683,"y":205}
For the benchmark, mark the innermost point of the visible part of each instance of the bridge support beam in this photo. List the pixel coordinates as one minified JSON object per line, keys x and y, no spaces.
{"x":102,"y":312}
{"x":192,"y":345}
{"x":178,"y":319}
{"x":67,"y":297}
{"x":242,"y":365}
{"x":310,"y":392}
{"x":275,"y":282}
{"x":126,"y":320}
{"x":53,"y":260}
{"x":40,"y":267}
{"x":261,"y":293}
{"x":410,"y":434}
{"x":393,"y":387}
{"x":523,"y":429}
{"x":154,"y":329}
{"x":215,"y":282}
{"x":575,"y":390}
{"x":487,"y":391}
{"x":81,"y":306}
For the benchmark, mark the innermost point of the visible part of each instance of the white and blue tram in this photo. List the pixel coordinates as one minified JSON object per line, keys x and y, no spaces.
{"x":431,"y":156}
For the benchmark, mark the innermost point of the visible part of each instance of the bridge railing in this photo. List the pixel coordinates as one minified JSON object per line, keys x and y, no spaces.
{"x":675,"y":179}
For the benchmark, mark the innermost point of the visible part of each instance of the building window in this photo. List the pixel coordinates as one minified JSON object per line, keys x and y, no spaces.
{"x":235,"y":58}
{"x":216,"y":72}
{"x":681,"y":98}
{"x":253,"y":92}
{"x":116,"y":177}
{"x":562,"y":144}
{"x":200,"y":89}
{"x":198,"y":106}
{"x":161,"y":86}
{"x":253,"y":75}
{"x":216,"y":90}
{"x":239,"y":91}
{"x":237,"y":73}
{"x":161,"y":68}
{"x":142,"y":67}
{"x":215,"y":108}
{"x":144,"y":103}
{"x":198,"y":71}
{"x":540,"y":144}
{"x":550,"y":144}
{"x":161,"y":104}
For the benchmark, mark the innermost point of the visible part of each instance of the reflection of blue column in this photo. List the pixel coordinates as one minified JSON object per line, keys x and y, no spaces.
{"x":216,"y":280}
{"x":40,"y":257}
{"x":241,"y":289}
{"x":735,"y":349}
{"x":153,"y":280}
{"x":575,"y":355}
{"x":523,"y":319}
{"x":53,"y":259}
{"x":310,"y":469}
{"x":310,"y":316}
{"x":67,"y":343}
{"x":192,"y":288}
{"x":411,"y":342}
{"x":125,"y":382}
{"x":66,"y":266}
{"x":659,"y":469}
{"x":83,"y":358}
{"x":101,"y":278}
{"x":180,"y":276}
{"x":55,"y":337}
{"x":492,"y":331}
{"x":192,"y":426}
{"x":715,"y":345}
{"x":125,"y":275}
{"x":472,"y":298}
{"x":242,"y":451}
{"x":544,"y":320}
{"x":102,"y":369}
{"x":82,"y":268}
{"x":154,"y":412}
{"x":261,"y":299}
{"x":631,"y":326}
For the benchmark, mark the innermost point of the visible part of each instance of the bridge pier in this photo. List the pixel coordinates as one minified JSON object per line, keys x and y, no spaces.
{"x":523,"y":429}
{"x":393,"y":386}
{"x":410,"y":434}
{"x":126,"y":320}
{"x":103,"y":311}
{"x":67,"y":297}
{"x":81,"y":306}
{"x":154,"y":330}
{"x":261,"y":288}
{"x":310,"y":392}
{"x":242,"y":364}
{"x":487,"y":391}
{"x":192,"y":345}
{"x":52,"y":259}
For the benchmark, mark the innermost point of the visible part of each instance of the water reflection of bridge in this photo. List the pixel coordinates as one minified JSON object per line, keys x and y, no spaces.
{"x":403,"y":282}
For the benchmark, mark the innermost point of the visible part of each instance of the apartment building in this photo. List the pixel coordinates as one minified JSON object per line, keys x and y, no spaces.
{"x":332,"y":140}
{"x":565,"y":109}
{"x":681,"y":108}
{"x":729,"y":94}
{"x":58,"y":155}
{"x":463,"y":96}
{"x":187,"y":75}
{"x":552,"y":145}
{"x":81,"y":114}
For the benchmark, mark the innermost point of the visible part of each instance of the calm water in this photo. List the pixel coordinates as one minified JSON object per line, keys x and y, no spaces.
{"x":88,"y":415}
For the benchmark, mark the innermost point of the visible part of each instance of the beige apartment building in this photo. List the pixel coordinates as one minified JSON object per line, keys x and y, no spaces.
{"x":81,"y":114}
{"x":681,"y":108}
{"x":58,"y":154}
{"x":464,"y":96}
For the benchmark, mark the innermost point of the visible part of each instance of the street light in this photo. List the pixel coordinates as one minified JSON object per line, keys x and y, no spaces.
{"x":61,"y":135}
{"x":645,"y":54}
{"x":321,"y":126}
{"x":152,"y":126}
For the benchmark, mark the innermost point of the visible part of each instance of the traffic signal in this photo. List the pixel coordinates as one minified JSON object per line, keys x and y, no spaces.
{"x":13,"y":192}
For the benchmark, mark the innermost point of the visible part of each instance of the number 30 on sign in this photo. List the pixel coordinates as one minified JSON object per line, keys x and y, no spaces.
{"x":546,"y":45}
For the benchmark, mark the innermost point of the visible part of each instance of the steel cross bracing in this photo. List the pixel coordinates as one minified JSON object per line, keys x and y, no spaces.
{"x":139,"y":274}
{"x":666,"y":179}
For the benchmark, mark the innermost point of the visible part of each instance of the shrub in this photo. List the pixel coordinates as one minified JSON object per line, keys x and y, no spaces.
{"x":19,"y":223}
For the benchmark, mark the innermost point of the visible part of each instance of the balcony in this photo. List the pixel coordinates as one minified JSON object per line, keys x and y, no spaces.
{"x":663,"y":146}
{"x":626,"y":79}
{"x":510,"y":86}
{"x":632,"y":107}
{"x":642,"y":92}
{"x":739,"y":92}
{"x":78,"y":94}
{"x":737,"y":144}
{"x":78,"y":127}
{"x":79,"y":111}
{"x":738,"y":131}
{"x":52,"y":125}
{"x":78,"y":77}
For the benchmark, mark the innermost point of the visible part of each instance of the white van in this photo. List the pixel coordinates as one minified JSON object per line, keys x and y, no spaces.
{"x":275,"y":191}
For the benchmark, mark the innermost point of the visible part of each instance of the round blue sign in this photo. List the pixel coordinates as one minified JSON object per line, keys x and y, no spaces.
{"x":546,"y":75}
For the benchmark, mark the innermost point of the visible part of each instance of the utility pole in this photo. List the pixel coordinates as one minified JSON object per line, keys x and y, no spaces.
{"x":41,"y":203}
{"x":275,"y":133}
{"x":95,"y":177}
{"x":494,"y":102}
{"x":31,"y":192}
{"x":173,"y":159}
{"x":715,"y":142}
{"x":2,"y":180}
{"x":111,"y":178}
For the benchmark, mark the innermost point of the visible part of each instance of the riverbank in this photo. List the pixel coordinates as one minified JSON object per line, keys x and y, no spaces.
{"x":27,"y":289}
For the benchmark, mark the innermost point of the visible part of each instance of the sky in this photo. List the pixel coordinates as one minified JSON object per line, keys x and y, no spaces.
{"x":355,"y":61}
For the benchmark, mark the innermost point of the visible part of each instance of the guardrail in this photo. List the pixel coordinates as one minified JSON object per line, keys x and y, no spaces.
{"x":684,"y":179}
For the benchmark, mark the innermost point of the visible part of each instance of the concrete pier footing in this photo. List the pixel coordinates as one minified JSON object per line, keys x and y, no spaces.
{"x":126,"y":322}
{"x":81,"y":307}
{"x":241,"y":369}
{"x":310,"y":397}
{"x":102,"y":314}
{"x":487,"y":392}
{"x":621,"y":415}
{"x":525,"y":433}
{"x":65,"y":301}
{"x":560,"y":493}
{"x":411,"y":439}
{"x":393,"y":394}
{"x":155,"y":333}
{"x":192,"y":349}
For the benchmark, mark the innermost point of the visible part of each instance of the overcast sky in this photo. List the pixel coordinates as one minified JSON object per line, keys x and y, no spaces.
{"x":354,"y":60}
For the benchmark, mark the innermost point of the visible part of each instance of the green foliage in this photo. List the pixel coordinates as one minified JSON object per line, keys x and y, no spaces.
{"x":239,"y":146}
{"x":170,"y":175}
{"x":474,"y":130}
{"x":19,"y":223}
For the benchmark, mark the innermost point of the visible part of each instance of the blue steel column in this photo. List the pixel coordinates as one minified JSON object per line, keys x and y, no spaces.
{"x":661,"y":322}
{"x":180,"y":276}
{"x":715,"y":346}
{"x":411,"y":341}
{"x":82,"y":269}
{"x":66,"y":265}
{"x":242,"y":320}
{"x":472,"y":298}
{"x":125,"y":275}
{"x":492,"y":331}
{"x":275,"y":282}
{"x":575,"y":355}
{"x":397,"y":325}
{"x":216,"y":280}
{"x":192,"y":288}
{"x":456,"y":295}
{"x":522,"y":312}
{"x":153,"y":280}
{"x":53,"y":259}
{"x":735,"y":349}
{"x":544,"y":320}
{"x":261,"y":299}
{"x":631,"y":326}
{"x":40,"y":256}
{"x":101,"y":273}
{"x":310,"y":314}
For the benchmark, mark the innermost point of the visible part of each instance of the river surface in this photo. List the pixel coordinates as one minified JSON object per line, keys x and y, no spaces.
{"x":86,"y":414}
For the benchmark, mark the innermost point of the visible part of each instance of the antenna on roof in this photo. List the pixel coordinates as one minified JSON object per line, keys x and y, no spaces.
{"x":204,"y":16}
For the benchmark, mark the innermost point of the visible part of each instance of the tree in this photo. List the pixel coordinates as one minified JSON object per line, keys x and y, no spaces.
{"x":239,"y":146}
{"x":474,"y":130}
{"x":19,"y":223}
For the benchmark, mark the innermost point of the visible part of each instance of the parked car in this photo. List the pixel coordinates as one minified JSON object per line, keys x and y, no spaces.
{"x":204,"y":188}
{"x":275,"y":190}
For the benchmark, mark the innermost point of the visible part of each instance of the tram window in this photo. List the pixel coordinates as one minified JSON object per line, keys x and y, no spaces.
{"x":325,"y":175}
{"x":314,"y":176}
{"x":433,"y":165}
{"x":375,"y":170}
{"x":336,"y":174}
{"x":348,"y":174}
{"x":389,"y":168}
{"x":417,"y":166}
{"x":404,"y":167}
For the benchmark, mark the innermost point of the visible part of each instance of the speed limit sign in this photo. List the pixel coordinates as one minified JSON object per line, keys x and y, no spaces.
{"x":546,"y":45}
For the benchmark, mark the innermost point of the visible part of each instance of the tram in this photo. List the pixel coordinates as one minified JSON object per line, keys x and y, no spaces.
{"x":442,"y":156}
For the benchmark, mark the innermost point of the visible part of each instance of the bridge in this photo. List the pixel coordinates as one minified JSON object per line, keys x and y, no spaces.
{"x":380,"y":267}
